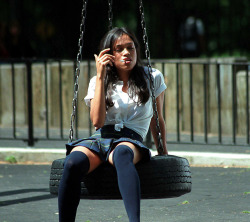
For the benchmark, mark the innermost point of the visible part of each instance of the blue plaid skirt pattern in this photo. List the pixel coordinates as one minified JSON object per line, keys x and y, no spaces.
{"x":106,"y":138}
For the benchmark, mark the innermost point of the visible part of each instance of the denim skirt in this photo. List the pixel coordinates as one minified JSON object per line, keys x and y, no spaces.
{"x":104,"y":140}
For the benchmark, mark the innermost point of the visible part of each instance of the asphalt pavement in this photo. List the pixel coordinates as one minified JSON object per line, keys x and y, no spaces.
{"x":220,"y":187}
{"x":218,"y":194}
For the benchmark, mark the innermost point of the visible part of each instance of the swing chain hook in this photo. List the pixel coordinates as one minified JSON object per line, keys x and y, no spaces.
{"x":77,"y":71}
{"x":110,"y":14}
{"x":147,"y":54}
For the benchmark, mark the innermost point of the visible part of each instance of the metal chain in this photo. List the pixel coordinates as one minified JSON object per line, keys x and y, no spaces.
{"x":77,"y":71}
{"x":147,"y":54}
{"x":110,"y":14}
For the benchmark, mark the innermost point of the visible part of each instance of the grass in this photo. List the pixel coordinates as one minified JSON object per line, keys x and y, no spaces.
{"x":184,"y":202}
{"x":11,"y":159}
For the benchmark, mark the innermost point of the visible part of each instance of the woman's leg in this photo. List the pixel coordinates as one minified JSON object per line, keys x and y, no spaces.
{"x":124,"y":156}
{"x":77,"y":164}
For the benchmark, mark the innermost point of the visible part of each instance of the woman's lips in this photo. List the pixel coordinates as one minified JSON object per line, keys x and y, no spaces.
{"x":126,"y":61}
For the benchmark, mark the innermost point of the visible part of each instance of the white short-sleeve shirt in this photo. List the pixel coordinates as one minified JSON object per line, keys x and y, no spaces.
{"x":126,"y":112}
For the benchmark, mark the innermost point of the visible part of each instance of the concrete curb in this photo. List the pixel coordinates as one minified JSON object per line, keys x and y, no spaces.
{"x":47,"y":155}
{"x":215,"y":159}
{"x":23,"y":155}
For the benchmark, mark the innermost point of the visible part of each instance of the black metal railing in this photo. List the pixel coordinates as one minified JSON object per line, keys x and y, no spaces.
{"x":190,"y":79}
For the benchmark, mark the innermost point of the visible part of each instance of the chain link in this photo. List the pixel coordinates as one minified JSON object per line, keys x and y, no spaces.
{"x":77,"y":71}
{"x":147,"y":54}
{"x":110,"y":14}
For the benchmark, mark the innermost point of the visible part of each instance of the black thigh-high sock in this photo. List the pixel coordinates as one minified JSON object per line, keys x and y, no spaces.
{"x":76,"y":166}
{"x":128,"y":181}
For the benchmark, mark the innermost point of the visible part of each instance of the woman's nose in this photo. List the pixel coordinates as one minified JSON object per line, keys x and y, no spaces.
{"x":126,"y":51}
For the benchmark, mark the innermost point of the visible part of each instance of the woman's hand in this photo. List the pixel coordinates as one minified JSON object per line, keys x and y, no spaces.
{"x":102,"y":60}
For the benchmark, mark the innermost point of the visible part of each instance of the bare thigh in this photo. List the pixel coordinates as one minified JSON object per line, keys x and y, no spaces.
{"x":135,"y":149}
{"x":94,"y":159}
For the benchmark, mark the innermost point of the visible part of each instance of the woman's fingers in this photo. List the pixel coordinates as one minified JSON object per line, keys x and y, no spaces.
{"x":107,"y":58}
{"x":104,"y":58}
{"x":103,"y":52}
{"x":107,"y":62}
{"x":102,"y":61}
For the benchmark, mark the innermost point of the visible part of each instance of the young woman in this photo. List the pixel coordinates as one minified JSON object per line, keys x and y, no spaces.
{"x":120,"y":103}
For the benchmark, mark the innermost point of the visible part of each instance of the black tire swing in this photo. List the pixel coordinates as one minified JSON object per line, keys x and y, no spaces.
{"x":163,"y":176}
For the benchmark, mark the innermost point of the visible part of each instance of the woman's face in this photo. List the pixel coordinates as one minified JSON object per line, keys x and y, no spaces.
{"x":125,"y":53}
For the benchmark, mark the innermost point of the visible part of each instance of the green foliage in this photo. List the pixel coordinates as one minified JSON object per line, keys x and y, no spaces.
{"x":11,"y":159}
{"x":184,"y":202}
{"x":226,"y":25}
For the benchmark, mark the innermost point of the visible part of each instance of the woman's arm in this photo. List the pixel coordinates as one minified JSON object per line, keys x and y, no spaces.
{"x":159,"y":103}
{"x":98,"y":106}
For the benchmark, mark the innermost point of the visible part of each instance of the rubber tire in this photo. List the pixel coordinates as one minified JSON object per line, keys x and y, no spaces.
{"x":161,"y":177}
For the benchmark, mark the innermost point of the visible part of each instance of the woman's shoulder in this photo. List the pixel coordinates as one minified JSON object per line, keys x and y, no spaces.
{"x":93,"y":79}
{"x":92,"y":82}
{"x":155,"y":72}
{"x":158,"y":79}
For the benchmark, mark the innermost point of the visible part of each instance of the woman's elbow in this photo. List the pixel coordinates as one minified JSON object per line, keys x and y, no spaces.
{"x":97,"y":118}
{"x":97,"y":122}
{"x":98,"y":125}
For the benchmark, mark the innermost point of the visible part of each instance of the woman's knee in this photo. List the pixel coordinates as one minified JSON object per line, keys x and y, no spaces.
{"x":69,"y":163}
{"x":76,"y":162}
{"x":126,"y":148}
{"x":123,"y":155}
{"x":94,"y":159}
{"x":123,"y":150}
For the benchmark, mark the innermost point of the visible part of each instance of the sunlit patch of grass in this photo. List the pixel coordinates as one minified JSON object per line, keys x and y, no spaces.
{"x":184,"y":202}
{"x":11,"y":159}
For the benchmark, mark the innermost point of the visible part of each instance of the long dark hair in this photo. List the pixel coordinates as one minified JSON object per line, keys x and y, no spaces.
{"x":137,"y":83}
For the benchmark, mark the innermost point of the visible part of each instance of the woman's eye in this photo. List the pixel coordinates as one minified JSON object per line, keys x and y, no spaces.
{"x":121,"y":49}
{"x":118,"y":50}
